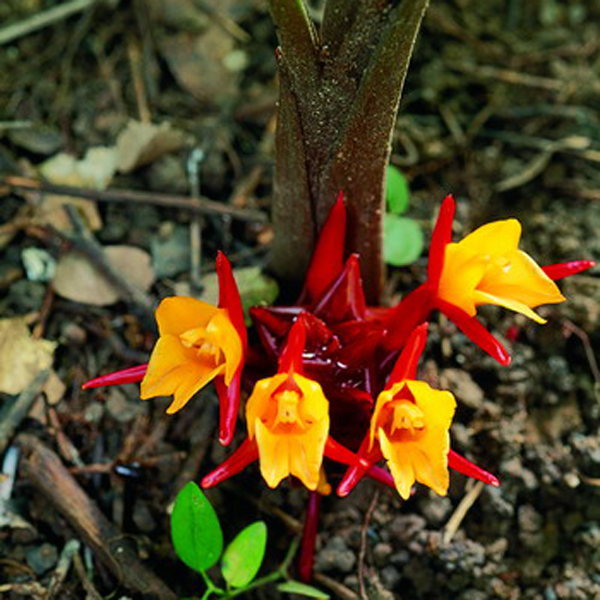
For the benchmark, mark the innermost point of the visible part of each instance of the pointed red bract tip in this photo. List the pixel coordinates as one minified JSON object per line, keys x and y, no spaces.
{"x":382,"y":476}
{"x":290,"y":360}
{"x":566,"y":269}
{"x":408,"y":361}
{"x":476,"y":332}
{"x":132,"y":375}
{"x":229,"y":296}
{"x":466,"y":467}
{"x":440,"y":238}
{"x":238,"y":461}
{"x":328,"y":258}
{"x":345,"y":299}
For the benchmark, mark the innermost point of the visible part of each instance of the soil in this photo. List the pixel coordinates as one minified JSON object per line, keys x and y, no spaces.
{"x":500,"y":108}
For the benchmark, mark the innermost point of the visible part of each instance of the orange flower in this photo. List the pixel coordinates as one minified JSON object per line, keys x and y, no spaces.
{"x":411,"y":422}
{"x":197,"y":343}
{"x":486,"y":267}
{"x":288,"y":415}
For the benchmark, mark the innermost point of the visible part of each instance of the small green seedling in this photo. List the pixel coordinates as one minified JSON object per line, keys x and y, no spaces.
{"x":402,"y":237}
{"x":198,"y":541}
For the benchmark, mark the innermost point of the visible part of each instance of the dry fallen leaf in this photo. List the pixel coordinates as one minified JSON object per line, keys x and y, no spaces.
{"x":142,"y":143}
{"x":199,"y":64}
{"x":94,"y":171}
{"x":77,"y":279}
{"x":21,"y":356}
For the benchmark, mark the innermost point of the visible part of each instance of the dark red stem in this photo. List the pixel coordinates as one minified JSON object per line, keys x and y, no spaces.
{"x":309,"y":537}
{"x":466,"y":467}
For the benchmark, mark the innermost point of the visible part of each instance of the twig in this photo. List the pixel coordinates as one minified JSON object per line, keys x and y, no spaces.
{"x":363,"y":545}
{"x":228,"y":25}
{"x":48,"y":475}
{"x":28,"y":590}
{"x":20,"y":408}
{"x":194,"y":205}
{"x":339,"y":589}
{"x":508,"y":76}
{"x":62,"y":568}
{"x":461,"y":511}
{"x":88,"y":586}
{"x":135,"y":58}
{"x":570,"y":328}
{"x":193,"y":171}
{"x":43,"y":19}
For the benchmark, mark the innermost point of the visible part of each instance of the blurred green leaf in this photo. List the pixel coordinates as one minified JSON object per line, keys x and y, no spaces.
{"x":255,"y":288}
{"x":397,"y":192}
{"x":195,"y":529}
{"x":243,"y":557}
{"x":295,"y":587}
{"x":402,"y":240}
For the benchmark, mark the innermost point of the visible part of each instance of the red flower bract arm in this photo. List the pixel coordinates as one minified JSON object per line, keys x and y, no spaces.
{"x":229,"y":396}
{"x":247,"y":453}
{"x":441,"y":237}
{"x":462,"y":465}
{"x":561,"y":270}
{"x":328,"y":257}
{"x":475,"y":331}
{"x":131,"y":375}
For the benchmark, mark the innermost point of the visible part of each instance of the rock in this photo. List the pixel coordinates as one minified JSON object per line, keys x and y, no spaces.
{"x":462,"y":386}
{"x":121,"y":408}
{"x":42,"y":558}
{"x":382,"y":553}
{"x":171,"y":250}
{"x":435,"y":510}
{"x":336,"y":556}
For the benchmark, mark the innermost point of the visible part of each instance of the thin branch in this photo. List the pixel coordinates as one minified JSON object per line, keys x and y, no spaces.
{"x":43,"y":19}
{"x":461,"y":512}
{"x":194,"y":205}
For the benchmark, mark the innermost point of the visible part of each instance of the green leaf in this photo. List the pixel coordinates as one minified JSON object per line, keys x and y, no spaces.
{"x":295,"y":587}
{"x":255,"y":288}
{"x":243,"y":557}
{"x":402,"y":240}
{"x":195,"y":529}
{"x":397,"y":192}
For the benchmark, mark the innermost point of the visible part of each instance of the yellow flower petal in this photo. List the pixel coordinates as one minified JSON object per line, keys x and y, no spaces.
{"x":179,"y":314}
{"x":487,"y":267}
{"x":174,"y":370}
{"x":223,"y":334}
{"x":519,"y":307}
{"x":494,"y":238}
